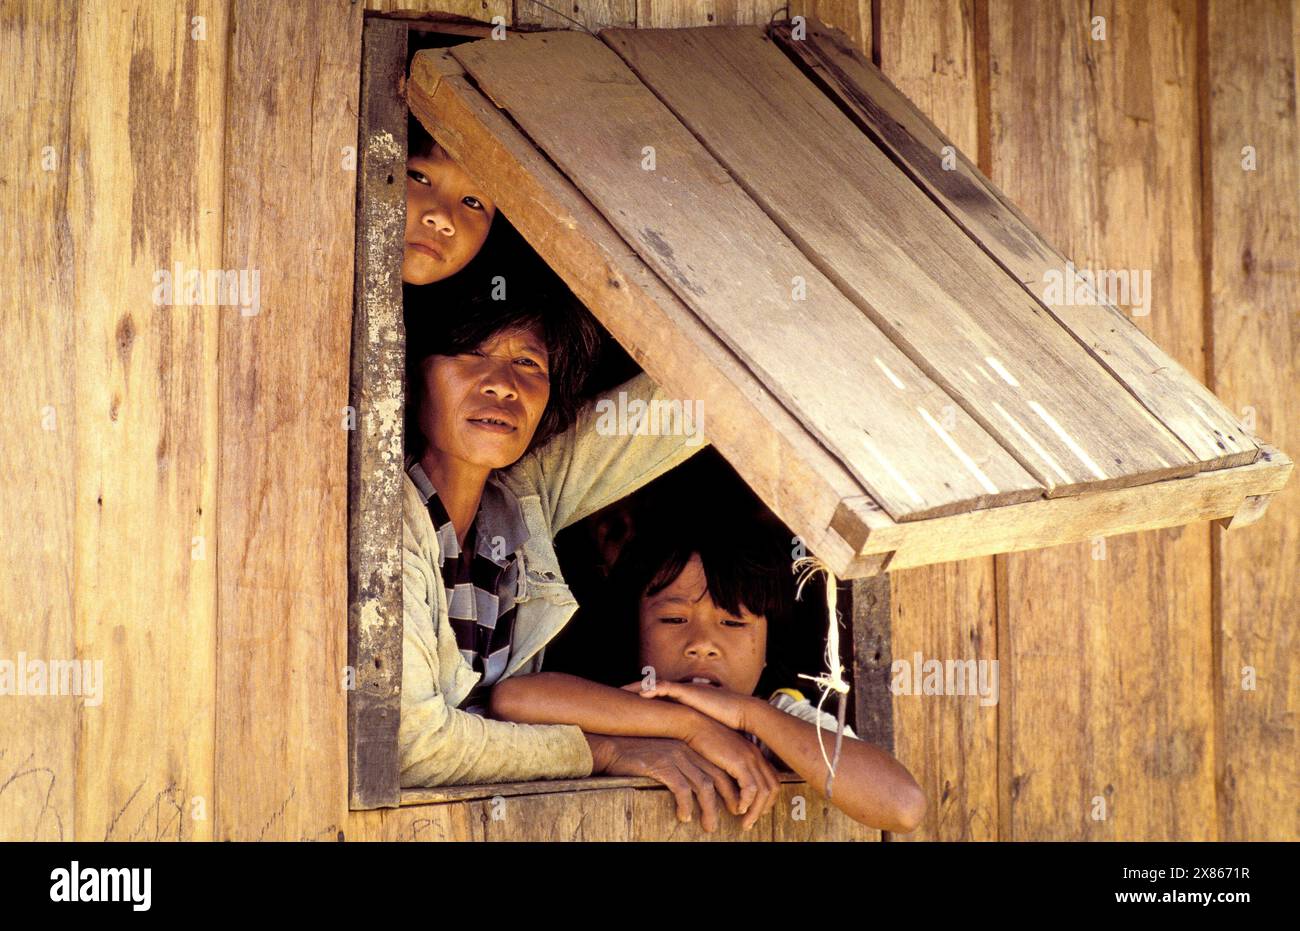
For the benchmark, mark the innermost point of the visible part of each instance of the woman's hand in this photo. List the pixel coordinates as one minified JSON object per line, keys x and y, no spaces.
{"x":686,"y":774}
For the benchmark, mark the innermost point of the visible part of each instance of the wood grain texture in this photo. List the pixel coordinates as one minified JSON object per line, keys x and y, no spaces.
{"x":601,"y":814}
{"x":1174,"y":395}
{"x":576,"y":14}
{"x":577,"y":100}
{"x":375,"y":444}
{"x":1253,"y":221}
{"x":38,"y":507}
{"x":281,"y":709}
{"x":772,"y":451}
{"x":1107,"y":652}
{"x":482,"y":10}
{"x":872,"y":655}
{"x":1196,"y":499}
{"x":674,"y":14}
{"x":800,"y":814}
{"x":146,"y":139}
{"x":946,"y":610}
{"x":888,"y":247}
{"x":437,"y":794}
{"x":851,"y":17}
{"x":594,"y":815}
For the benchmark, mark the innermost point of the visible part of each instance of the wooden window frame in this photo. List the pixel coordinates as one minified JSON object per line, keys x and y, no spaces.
{"x":375,"y":454}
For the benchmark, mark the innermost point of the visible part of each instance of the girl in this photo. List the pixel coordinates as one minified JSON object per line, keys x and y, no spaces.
{"x":704,"y":600}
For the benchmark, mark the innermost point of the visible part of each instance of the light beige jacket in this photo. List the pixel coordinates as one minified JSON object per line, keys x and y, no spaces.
{"x":574,"y":475}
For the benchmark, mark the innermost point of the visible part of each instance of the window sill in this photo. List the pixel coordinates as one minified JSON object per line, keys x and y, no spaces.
{"x":429,"y":796}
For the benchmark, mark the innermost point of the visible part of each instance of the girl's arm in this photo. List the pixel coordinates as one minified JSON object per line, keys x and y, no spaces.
{"x":871,"y":787}
{"x":559,"y":698}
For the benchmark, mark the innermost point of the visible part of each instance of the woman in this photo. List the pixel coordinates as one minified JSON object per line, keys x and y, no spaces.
{"x":501,"y":458}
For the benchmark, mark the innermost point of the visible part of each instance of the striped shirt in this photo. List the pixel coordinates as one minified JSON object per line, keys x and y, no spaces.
{"x":481,"y":582}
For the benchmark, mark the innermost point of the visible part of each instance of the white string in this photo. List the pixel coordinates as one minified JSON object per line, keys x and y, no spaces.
{"x":832,"y":681}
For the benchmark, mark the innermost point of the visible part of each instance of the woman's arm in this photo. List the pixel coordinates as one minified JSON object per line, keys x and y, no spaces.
{"x":438,"y":743}
{"x":597,"y":461}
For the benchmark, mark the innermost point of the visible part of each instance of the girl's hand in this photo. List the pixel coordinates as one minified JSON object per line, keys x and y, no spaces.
{"x":727,"y":708}
{"x":742,"y":760}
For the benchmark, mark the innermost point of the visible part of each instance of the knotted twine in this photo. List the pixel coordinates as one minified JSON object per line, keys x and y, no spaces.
{"x":833,"y":681}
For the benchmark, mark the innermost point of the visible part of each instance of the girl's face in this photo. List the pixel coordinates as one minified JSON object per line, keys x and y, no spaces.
{"x":447,"y":218}
{"x":686,"y":636}
{"x":482,"y":407}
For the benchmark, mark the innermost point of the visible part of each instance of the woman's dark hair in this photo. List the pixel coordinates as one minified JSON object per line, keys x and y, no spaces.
{"x":469,"y":311}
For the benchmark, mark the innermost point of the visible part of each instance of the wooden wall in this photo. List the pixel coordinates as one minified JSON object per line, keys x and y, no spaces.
{"x":175,"y":476}
{"x":1122,"y":712}
{"x":616,"y":813}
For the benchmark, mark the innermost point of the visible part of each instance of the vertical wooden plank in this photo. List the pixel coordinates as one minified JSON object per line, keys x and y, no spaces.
{"x":654,"y":818}
{"x":375,"y":445}
{"x":873,"y":654}
{"x":482,"y":10}
{"x":851,"y":17}
{"x":290,"y":200}
{"x":576,"y":14}
{"x":675,"y":14}
{"x":599,"y":815}
{"x":800,"y":814}
{"x":37,"y":733}
{"x":944,"y":611}
{"x":1106,"y":658}
{"x":144,"y":203}
{"x":454,"y":821}
{"x":1251,"y":53}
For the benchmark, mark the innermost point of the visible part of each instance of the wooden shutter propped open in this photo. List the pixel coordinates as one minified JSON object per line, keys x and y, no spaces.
{"x":762,"y":222}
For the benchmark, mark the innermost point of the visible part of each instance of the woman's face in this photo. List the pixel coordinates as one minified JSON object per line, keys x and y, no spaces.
{"x":482,"y":407}
{"x":447,"y":218}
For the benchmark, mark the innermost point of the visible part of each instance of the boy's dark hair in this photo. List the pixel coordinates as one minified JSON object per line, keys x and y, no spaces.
{"x":467,"y":315}
{"x":418,"y":140}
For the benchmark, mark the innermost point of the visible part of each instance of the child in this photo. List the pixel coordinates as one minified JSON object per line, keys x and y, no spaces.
{"x":703,"y":604}
{"x":448,"y":215}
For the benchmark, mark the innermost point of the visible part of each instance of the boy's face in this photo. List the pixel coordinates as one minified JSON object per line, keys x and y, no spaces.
{"x":685,"y":636}
{"x":447,"y":218}
{"x":483,"y":407}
